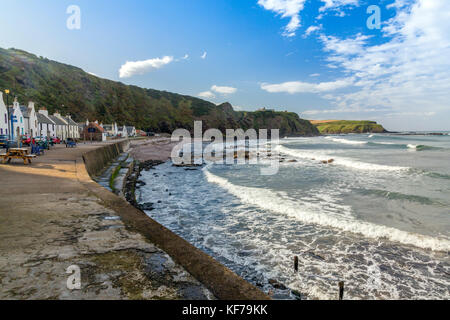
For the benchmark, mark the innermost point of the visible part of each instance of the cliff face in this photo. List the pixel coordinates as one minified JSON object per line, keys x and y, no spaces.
{"x":345,"y":126}
{"x":70,"y":90}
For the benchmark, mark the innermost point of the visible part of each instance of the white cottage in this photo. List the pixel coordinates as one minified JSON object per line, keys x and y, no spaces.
{"x":46,"y":126}
{"x":3,"y":116}
{"x":72,"y":128}
{"x":31,"y":120}
{"x":61,"y":126}
{"x":131,"y":131}
{"x":18,"y":124}
{"x":122,"y":131}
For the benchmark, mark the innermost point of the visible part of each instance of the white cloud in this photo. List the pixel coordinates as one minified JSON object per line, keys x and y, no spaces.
{"x":409,"y":73}
{"x":304,"y":87}
{"x":315,"y":75}
{"x":131,"y":68}
{"x":186,"y":56}
{"x":207,"y":95}
{"x":312,"y":29}
{"x":337,"y":4}
{"x":203,"y":56}
{"x":287,"y":9}
{"x":223,"y":90}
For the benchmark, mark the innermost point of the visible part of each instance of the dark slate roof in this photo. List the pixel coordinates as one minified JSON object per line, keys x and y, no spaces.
{"x":24,"y":111}
{"x":57,"y":121}
{"x":70,"y":121}
{"x":43,"y":119}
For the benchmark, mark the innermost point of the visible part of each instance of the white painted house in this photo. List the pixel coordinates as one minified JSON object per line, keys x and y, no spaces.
{"x":31,"y":121}
{"x":46,"y":126}
{"x":122,"y":131}
{"x":110,"y":129}
{"x":72,"y":128}
{"x":131,"y":131}
{"x":61,"y":126}
{"x":3,"y":116}
{"x":18,"y":126}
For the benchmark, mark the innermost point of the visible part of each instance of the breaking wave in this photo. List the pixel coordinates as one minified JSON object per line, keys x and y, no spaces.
{"x":269,"y":200}
{"x":354,"y":164}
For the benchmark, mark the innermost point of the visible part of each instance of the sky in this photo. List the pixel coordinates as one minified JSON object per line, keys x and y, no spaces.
{"x":387,"y":61}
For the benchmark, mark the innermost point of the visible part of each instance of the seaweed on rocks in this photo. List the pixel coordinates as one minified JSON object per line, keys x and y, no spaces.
{"x":132,"y":182}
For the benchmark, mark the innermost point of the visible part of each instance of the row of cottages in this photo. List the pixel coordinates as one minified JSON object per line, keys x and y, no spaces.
{"x":35,"y":124}
{"x":113,"y":130}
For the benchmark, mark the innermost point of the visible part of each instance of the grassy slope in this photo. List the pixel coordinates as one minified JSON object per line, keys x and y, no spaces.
{"x":69,"y":89}
{"x":346,"y":126}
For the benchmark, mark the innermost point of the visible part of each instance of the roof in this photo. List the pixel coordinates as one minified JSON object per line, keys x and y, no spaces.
{"x":130,"y":129}
{"x":96,"y":126}
{"x":43,"y":119}
{"x":24,"y":111}
{"x":57,"y":121}
{"x":70,"y":121}
{"x":108,"y":126}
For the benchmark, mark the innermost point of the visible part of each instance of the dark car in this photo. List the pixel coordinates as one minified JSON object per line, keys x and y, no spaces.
{"x":3,"y":141}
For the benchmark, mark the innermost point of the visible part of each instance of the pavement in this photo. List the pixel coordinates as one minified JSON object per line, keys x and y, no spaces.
{"x":52,"y":224}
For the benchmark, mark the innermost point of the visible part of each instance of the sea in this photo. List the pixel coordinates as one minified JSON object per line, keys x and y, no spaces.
{"x":377,"y":216}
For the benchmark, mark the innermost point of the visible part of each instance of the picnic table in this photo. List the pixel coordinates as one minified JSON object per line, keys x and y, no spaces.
{"x":17,"y":153}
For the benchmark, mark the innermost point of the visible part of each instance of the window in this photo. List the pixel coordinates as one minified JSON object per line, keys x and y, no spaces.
{"x":1,"y":131}
{"x":6,"y":118}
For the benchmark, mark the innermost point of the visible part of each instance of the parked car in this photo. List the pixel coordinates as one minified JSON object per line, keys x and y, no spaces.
{"x":56,"y":140}
{"x":4,"y":141}
{"x":26,"y":140}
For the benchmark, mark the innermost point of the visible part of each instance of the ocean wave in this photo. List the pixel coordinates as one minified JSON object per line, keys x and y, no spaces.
{"x":346,"y":141}
{"x":354,"y":164}
{"x":391,"y":195}
{"x":269,"y":200}
{"x":421,"y":147}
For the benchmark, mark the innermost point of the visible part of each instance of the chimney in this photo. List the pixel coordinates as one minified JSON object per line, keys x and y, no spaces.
{"x":43,"y":111}
{"x":31,"y":105}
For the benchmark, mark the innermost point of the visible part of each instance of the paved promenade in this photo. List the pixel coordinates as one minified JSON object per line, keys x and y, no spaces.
{"x":50,"y":220}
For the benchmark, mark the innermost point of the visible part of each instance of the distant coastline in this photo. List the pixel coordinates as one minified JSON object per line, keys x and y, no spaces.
{"x":347,"y":126}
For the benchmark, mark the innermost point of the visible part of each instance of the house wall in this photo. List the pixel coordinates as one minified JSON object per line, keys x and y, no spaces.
{"x":32,"y":120}
{"x":3,"y":116}
{"x":19,"y":126}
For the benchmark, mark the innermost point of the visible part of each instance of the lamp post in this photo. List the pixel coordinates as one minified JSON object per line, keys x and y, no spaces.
{"x":7,"y":110}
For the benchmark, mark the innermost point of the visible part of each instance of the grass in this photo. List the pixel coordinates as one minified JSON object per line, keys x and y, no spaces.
{"x":116,"y":173}
{"x":347,"y":126}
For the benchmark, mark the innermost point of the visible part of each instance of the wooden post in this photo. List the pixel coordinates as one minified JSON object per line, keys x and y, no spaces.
{"x":296,"y":264}
{"x":341,"y":290}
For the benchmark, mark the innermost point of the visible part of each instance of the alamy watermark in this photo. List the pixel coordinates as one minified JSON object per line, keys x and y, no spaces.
{"x":74,"y":20}
{"x":234,"y":148}
{"x":374,"y":20}
{"x":74,"y":280}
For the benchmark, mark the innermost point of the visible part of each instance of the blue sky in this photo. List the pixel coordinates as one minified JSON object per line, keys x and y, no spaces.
{"x":314,"y":57}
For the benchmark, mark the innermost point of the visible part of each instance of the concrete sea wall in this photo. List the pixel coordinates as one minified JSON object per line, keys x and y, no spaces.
{"x":96,"y":160}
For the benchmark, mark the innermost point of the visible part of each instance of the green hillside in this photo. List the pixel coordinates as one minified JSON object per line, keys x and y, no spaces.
{"x":346,"y":126}
{"x":70,"y":90}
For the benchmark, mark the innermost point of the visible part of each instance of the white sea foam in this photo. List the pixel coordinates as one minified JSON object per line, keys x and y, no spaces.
{"x":346,"y":141}
{"x":303,"y":212}
{"x":354,"y":164}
